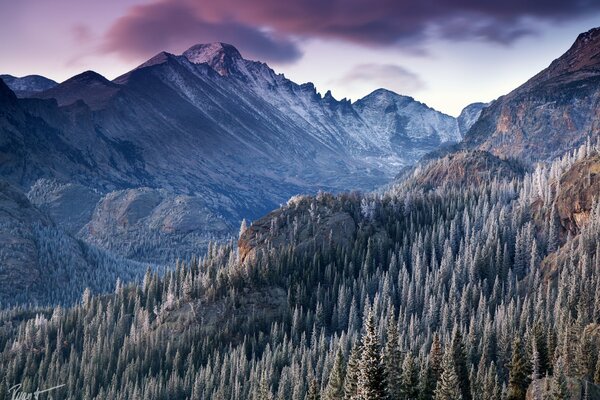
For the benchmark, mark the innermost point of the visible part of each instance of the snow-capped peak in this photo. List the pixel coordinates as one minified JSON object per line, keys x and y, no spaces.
{"x":220,"y":56}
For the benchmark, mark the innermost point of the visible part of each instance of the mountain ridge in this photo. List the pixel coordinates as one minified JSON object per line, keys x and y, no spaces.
{"x":554,"y":111}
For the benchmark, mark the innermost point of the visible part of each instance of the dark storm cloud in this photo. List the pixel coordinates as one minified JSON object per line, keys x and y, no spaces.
{"x":269,"y":29}
{"x":175,"y":25}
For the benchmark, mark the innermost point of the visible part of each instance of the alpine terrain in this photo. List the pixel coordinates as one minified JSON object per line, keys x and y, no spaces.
{"x":467,"y":267}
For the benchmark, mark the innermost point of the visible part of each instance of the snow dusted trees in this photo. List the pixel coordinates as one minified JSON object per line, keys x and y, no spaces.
{"x":424,"y":300}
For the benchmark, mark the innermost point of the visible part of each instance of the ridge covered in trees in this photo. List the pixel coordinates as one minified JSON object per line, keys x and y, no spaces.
{"x":445,"y":293}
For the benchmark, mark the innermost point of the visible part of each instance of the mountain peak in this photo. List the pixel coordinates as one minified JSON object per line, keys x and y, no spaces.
{"x":6,"y":94}
{"x":28,"y":84}
{"x":87,"y":77}
{"x":593,"y":36}
{"x":220,"y":56}
{"x":581,"y":61}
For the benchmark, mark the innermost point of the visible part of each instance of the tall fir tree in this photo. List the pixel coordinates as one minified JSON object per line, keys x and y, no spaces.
{"x":335,"y":385}
{"x":392,"y":359}
{"x":518,"y":380}
{"x":460,"y":365}
{"x":448,"y":386}
{"x":410,"y":378}
{"x":314,"y":391}
{"x":371,"y":377}
{"x":352,"y":373}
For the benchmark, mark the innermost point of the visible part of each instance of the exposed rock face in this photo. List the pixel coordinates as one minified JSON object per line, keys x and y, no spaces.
{"x":464,"y":168}
{"x":153,"y":225}
{"x":19,"y":266}
{"x":305,"y":222}
{"x":229,"y":133}
{"x":70,"y":204}
{"x":221,"y":57}
{"x":579,"y":188}
{"x":38,"y":260}
{"x":469,"y":115}
{"x":553,"y":112}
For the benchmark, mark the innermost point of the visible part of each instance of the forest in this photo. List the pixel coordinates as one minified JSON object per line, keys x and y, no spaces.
{"x":438,"y":291}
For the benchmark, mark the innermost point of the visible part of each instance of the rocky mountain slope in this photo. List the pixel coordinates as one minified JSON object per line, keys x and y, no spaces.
{"x":554,"y":111}
{"x":42,"y":264}
{"x":579,"y":190}
{"x":28,"y":85}
{"x":469,"y":115}
{"x":229,"y":135}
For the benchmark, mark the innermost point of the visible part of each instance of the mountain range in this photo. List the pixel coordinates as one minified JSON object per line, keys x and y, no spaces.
{"x":172,"y":155}
{"x":221,"y":137}
{"x":472,"y":274}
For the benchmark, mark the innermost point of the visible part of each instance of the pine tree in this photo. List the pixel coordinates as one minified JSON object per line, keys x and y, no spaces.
{"x":314,"y":392}
{"x":243,"y":227}
{"x":371,"y":377}
{"x":392,"y":359}
{"x":558,"y":386}
{"x":448,"y":386}
{"x":518,"y":380}
{"x":410,"y":378}
{"x":436,"y":357}
{"x":264,"y":391}
{"x":460,"y":365}
{"x":352,"y":373}
{"x":335,"y":384}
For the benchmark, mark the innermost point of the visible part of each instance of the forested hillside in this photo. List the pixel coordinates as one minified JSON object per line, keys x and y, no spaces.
{"x":450,"y":290}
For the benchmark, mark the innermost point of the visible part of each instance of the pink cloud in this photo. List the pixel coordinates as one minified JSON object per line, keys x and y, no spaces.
{"x":271,"y":29}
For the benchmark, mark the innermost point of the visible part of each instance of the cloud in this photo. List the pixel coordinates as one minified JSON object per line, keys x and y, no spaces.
{"x":175,"y":25}
{"x":270,"y":29}
{"x":364,"y":78}
{"x":81,"y":33}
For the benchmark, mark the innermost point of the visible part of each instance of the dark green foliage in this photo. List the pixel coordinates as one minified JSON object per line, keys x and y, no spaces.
{"x":335,"y":384}
{"x":371,"y":376}
{"x":392,"y":359}
{"x":460,"y":365}
{"x":440,"y":265}
{"x":518,"y":380}
{"x":448,"y":386}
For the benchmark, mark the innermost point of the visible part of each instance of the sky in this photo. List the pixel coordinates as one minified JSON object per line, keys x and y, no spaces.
{"x":445,"y":53}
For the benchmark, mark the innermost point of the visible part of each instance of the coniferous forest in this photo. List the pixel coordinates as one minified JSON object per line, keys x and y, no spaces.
{"x":427,"y":289}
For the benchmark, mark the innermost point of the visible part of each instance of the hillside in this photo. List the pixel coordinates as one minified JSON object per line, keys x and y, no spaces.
{"x":441,"y":274}
{"x":41,"y":264}
{"x":554,"y":111}
{"x":208,"y":125}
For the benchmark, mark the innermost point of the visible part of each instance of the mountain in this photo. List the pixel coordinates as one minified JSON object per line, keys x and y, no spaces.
{"x":90,"y":87}
{"x":28,"y":85}
{"x":42,"y":264}
{"x":430,"y":282}
{"x":468,"y":116}
{"x":226,"y":133}
{"x":554,"y":111}
{"x":473,"y":276}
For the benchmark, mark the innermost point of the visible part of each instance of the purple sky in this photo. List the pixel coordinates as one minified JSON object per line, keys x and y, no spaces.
{"x":447,"y":53}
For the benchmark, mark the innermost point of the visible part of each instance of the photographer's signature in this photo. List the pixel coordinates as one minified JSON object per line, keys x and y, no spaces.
{"x":17,"y":394}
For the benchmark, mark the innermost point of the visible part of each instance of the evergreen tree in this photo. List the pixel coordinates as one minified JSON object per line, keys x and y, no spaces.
{"x":410,"y":378}
{"x":518,"y":381}
{"x":558,"y":386}
{"x":352,"y":373}
{"x":448,"y":386}
{"x":371,"y":377}
{"x":460,"y":365}
{"x":392,"y":359}
{"x":314,"y":392}
{"x":335,"y":384}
